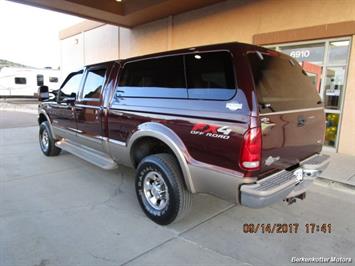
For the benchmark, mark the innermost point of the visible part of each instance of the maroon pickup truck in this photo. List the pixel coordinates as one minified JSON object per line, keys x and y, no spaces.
{"x":237,"y":121}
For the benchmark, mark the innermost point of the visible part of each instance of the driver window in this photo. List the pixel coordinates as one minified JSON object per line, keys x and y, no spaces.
{"x":71,"y":87}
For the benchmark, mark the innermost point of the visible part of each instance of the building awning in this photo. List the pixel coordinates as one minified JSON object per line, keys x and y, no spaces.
{"x":125,"y":13}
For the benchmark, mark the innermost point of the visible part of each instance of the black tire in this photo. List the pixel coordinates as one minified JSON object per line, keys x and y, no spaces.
{"x":162,"y":166}
{"x":48,"y":149}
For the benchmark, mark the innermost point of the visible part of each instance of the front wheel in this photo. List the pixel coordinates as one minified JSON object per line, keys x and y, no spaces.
{"x":160,"y":189}
{"x":46,"y":141}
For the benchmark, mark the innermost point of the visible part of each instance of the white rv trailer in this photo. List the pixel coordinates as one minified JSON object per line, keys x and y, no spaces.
{"x":17,"y":81}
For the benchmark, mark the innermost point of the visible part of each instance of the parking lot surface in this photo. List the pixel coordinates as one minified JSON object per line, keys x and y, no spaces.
{"x":65,"y":211}
{"x":16,"y":119}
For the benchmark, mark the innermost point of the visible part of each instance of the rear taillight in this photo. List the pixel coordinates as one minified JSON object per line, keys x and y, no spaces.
{"x":251,"y":150}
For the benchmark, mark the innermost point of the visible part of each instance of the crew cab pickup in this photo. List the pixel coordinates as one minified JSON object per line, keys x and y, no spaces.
{"x":234,"y":120}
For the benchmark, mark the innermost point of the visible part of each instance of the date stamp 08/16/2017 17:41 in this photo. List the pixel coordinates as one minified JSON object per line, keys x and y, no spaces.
{"x":287,"y":228}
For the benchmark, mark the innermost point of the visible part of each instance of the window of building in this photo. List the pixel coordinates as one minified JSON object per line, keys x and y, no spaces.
{"x":338,"y":52}
{"x":70,"y":87}
{"x":93,"y":84}
{"x":53,"y":79}
{"x":210,"y":76}
{"x":313,"y":53}
{"x":334,"y":87}
{"x":326,"y":63}
{"x":40,"y":80}
{"x":157,"y":78}
{"x":20,"y":80}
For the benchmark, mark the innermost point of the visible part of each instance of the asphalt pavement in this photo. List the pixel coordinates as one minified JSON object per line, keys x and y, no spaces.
{"x":65,"y":211}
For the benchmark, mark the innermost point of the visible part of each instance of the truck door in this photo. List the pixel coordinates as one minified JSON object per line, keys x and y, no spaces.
{"x":62,"y":111}
{"x":88,"y":108}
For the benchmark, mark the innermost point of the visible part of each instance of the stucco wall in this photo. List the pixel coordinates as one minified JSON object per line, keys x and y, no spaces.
{"x":236,"y":21}
{"x":150,"y":38}
{"x":101,"y":44}
{"x":93,"y":46}
{"x":72,"y":55}
{"x":347,"y":133}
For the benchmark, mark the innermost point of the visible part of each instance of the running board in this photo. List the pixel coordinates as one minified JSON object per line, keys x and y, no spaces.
{"x":97,"y":158}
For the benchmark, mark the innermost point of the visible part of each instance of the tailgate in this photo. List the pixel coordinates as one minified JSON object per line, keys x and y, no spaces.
{"x":291,"y":113}
{"x":289,"y":138}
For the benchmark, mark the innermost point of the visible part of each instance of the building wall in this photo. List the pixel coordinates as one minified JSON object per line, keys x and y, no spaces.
{"x":124,"y":39}
{"x":72,"y":54}
{"x":227,"y":21}
{"x":347,"y":133}
{"x":89,"y":47}
{"x":236,"y":21}
{"x":150,"y":38}
{"x":101,"y":44}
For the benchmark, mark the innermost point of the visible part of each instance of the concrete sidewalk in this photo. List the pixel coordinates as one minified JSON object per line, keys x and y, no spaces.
{"x":341,"y":169}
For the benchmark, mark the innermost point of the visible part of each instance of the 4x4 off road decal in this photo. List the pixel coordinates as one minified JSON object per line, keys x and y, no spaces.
{"x":211,"y":131}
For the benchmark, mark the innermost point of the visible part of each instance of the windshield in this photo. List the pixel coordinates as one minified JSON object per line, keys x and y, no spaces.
{"x":281,"y":84}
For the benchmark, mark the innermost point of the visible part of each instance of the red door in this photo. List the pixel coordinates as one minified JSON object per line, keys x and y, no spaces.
{"x":88,"y":108}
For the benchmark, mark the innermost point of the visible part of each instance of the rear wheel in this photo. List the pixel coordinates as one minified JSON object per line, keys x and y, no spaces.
{"x":46,"y":141}
{"x":160,"y":189}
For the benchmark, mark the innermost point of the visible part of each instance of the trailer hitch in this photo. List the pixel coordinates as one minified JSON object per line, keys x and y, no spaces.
{"x":292,"y":200}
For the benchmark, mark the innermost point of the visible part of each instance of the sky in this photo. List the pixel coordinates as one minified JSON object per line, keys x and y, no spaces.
{"x":29,"y":35}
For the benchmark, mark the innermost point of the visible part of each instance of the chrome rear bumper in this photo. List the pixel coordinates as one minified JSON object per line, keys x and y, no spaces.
{"x":283,"y":184}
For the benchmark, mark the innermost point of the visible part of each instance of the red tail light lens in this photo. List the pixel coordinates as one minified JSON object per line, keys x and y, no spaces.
{"x":251,"y":150}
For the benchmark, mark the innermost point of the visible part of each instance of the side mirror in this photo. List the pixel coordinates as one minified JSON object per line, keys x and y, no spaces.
{"x":43,"y":93}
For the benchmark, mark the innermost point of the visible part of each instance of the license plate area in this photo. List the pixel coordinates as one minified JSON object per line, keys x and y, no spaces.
{"x":299,"y":173}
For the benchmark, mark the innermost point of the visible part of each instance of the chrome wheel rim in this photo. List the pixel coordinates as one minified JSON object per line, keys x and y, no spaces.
{"x":155,"y":190}
{"x":45,"y":140}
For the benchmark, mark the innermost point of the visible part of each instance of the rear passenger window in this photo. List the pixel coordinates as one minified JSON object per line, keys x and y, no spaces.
{"x":210,"y":76}
{"x":93,"y":84}
{"x":157,"y":78}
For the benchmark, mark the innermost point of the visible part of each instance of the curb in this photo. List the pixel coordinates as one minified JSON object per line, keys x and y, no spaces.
{"x":325,"y":182}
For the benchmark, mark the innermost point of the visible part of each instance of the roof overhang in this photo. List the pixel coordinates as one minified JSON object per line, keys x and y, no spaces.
{"x":126,"y":13}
